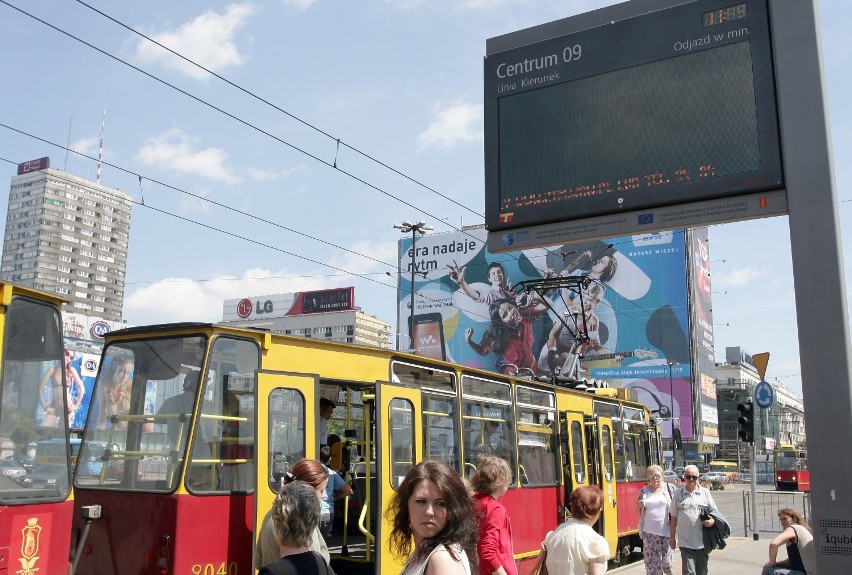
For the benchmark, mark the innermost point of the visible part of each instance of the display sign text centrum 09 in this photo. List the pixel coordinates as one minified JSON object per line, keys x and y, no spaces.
{"x":658,"y":109}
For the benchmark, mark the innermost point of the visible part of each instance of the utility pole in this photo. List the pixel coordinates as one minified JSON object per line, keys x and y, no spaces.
{"x":418,"y":228}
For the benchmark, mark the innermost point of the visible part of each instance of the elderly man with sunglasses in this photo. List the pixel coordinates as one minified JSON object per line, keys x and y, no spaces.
{"x":690,"y":509}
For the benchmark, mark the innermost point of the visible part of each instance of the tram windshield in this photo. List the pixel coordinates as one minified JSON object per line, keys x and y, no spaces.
{"x":33,"y":402}
{"x":145,"y":411}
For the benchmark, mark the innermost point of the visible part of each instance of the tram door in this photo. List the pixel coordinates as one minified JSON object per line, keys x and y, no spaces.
{"x":399,"y":443}
{"x":599,"y":433}
{"x":285,"y":432}
{"x":575,"y":466}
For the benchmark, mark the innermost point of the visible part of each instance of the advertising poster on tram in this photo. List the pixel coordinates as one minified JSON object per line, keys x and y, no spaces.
{"x":629,"y":327}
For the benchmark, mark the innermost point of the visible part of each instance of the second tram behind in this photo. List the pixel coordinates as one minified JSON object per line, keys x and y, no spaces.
{"x":791,"y":469}
{"x":200,"y":421}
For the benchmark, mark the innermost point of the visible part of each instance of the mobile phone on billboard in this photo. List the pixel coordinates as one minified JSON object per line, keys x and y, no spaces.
{"x":427,"y":335}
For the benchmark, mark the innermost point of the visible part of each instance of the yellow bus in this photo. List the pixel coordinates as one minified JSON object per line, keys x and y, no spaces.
{"x":729,"y":468}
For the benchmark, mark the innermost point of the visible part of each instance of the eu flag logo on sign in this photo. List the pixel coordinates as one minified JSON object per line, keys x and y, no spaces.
{"x":645,"y":219}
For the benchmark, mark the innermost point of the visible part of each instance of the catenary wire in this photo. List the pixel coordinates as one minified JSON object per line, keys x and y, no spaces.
{"x":230,"y":115}
{"x":276,"y":107}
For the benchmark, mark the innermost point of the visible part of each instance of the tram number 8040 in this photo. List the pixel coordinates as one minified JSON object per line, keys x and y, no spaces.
{"x":210,"y":569}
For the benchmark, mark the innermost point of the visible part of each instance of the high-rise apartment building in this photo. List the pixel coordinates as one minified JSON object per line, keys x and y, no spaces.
{"x":67,"y":235}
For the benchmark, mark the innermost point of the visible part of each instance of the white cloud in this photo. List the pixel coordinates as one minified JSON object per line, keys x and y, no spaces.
{"x":382,"y":251}
{"x":195,"y":205}
{"x":299,"y":4}
{"x":207,"y":40}
{"x":87,"y":146}
{"x":173,"y":149}
{"x":185,"y":299}
{"x":454,"y":124}
{"x":261,"y":175}
{"x":738,"y":277}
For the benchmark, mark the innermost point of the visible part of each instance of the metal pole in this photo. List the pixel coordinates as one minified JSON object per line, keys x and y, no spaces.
{"x":411,"y":311}
{"x":754,"y":532}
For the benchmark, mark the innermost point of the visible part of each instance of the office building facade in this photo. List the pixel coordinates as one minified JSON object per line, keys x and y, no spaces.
{"x":67,"y":235}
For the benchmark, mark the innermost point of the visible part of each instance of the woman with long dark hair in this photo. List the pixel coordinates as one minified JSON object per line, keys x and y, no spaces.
{"x":433,"y":508}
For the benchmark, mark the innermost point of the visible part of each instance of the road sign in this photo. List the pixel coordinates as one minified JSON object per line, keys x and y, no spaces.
{"x":764,"y":395}
{"x":760,"y":362}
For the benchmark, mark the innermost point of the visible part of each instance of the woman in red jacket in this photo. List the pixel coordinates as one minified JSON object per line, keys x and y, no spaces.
{"x":490,"y":482}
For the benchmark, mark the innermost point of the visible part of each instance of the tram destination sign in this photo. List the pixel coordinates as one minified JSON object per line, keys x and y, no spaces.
{"x":630,"y":108}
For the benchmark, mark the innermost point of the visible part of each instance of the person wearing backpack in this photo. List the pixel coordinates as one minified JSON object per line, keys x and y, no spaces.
{"x":653,"y":506}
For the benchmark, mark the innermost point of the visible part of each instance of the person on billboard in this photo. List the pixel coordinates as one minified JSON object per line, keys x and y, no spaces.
{"x":117,"y":396}
{"x":62,"y":381}
{"x":565,"y":343}
{"x":510,"y":334}
{"x":500,"y":288}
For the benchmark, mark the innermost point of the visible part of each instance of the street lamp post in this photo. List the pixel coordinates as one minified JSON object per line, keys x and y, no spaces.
{"x":418,"y":228}
{"x":677,"y":463}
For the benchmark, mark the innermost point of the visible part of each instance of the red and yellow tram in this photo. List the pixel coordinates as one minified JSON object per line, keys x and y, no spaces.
{"x":791,"y":469}
{"x":200,"y":421}
{"x":35,"y":498}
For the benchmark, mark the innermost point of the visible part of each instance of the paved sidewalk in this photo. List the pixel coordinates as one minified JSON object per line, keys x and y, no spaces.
{"x":742,"y":556}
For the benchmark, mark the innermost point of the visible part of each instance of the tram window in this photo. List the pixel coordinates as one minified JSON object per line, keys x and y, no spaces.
{"x":32,"y":351}
{"x":223,"y":443}
{"x":607,"y":451}
{"x":577,"y":452}
{"x":401,"y":424}
{"x":423,"y":377}
{"x":487,"y":422}
{"x":630,"y":454}
{"x":286,"y":433}
{"x":535,"y":416}
{"x":142,"y":410}
{"x":439,"y":429}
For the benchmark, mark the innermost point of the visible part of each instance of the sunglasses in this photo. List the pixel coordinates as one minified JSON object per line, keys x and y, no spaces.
{"x":690,"y":477}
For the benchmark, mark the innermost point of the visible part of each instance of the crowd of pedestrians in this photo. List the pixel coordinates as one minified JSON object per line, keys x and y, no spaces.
{"x":444,"y":524}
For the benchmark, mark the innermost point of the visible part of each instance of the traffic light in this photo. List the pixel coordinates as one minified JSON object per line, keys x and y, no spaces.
{"x":746,"y":421}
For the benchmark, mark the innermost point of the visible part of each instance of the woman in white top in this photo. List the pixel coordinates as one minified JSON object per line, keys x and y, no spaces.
{"x":796,"y":535}
{"x":653,"y":505}
{"x":574,"y":548}
{"x":433,"y":507}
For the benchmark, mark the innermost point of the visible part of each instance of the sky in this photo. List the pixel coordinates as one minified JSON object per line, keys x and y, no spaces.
{"x":336,"y":119}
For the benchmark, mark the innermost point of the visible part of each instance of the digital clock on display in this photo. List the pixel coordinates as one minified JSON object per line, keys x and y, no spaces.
{"x":722,"y":15}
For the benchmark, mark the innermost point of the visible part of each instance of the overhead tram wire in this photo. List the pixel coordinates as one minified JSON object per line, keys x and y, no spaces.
{"x":233,"y":117}
{"x":198,"y":197}
{"x":169,"y":186}
{"x":231,"y":234}
{"x":276,"y":107}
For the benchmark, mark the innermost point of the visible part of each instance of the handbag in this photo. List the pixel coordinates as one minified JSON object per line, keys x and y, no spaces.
{"x":540,"y":565}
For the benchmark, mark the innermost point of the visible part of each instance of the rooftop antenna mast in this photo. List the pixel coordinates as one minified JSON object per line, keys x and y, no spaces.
{"x":68,"y":144}
{"x":101,"y":147}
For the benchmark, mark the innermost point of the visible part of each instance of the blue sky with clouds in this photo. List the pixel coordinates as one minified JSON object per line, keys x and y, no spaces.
{"x":262,"y":201}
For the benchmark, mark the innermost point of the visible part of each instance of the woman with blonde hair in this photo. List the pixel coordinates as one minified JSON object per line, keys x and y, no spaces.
{"x":653,"y":506}
{"x":797,"y":536}
{"x":490,"y":482}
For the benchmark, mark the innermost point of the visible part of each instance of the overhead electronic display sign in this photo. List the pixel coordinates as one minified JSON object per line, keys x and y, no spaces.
{"x":668,"y":107}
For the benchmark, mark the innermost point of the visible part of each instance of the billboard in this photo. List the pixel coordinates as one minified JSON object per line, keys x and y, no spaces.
{"x":33,"y":166}
{"x":634,"y":322}
{"x":702,"y":334}
{"x":285,"y":304}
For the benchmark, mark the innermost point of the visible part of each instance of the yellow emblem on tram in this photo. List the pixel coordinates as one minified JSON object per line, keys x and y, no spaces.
{"x":29,"y":547}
